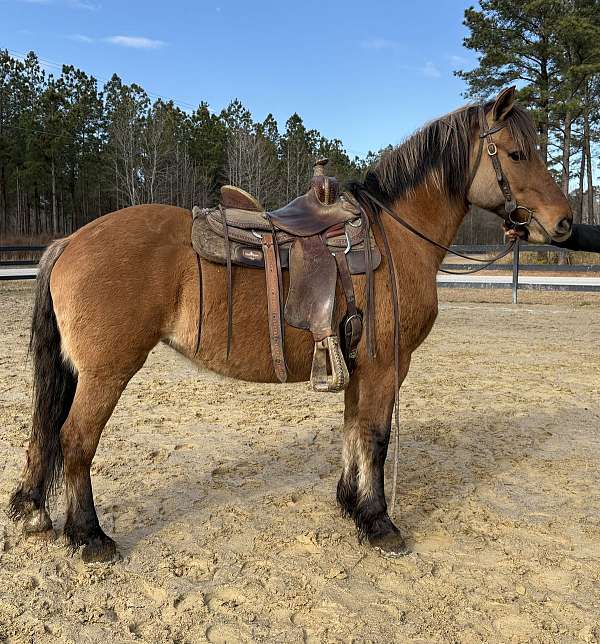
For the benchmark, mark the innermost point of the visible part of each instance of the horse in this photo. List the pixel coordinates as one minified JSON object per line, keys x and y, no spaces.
{"x":111,"y":291}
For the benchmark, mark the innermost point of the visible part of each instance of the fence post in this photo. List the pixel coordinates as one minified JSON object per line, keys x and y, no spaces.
{"x":515,"y":272}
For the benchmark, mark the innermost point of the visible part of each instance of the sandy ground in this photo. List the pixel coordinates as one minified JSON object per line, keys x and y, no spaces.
{"x":221,"y":497}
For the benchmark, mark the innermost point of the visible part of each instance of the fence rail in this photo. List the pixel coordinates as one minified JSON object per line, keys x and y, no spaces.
{"x":17,"y":269}
{"x":22,"y":249}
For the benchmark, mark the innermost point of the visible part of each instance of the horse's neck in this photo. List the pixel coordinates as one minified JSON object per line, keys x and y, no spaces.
{"x":430,"y":212}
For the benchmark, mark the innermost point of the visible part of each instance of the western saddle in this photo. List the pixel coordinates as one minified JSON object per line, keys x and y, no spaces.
{"x":318,"y":237}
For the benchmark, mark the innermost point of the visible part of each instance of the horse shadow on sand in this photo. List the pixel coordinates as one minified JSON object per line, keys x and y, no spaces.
{"x":441,"y":465}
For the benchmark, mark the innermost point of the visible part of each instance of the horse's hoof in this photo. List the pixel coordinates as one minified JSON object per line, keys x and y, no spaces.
{"x":390,"y":545}
{"x":99,"y":549}
{"x":37,"y":521}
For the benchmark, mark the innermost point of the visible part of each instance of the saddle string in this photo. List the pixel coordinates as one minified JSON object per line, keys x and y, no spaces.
{"x":199,"y":329}
{"x":229,"y":281}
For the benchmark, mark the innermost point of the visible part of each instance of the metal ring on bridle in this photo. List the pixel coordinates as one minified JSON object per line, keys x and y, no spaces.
{"x":520,"y":223}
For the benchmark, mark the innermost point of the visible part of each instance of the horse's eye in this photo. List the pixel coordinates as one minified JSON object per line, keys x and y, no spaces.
{"x":517,"y":155}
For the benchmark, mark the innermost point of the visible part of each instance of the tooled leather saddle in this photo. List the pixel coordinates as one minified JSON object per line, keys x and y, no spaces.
{"x":319,"y":237}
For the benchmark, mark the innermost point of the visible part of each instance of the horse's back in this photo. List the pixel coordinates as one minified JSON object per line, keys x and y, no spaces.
{"x":133,"y":231}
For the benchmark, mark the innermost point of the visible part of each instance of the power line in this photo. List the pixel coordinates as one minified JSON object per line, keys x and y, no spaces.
{"x":176,"y":102}
{"x":59,"y":66}
{"x":35,"y":130}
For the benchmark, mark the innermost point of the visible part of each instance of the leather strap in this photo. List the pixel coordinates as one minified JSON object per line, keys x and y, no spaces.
{"x":510,"y":205}
{"x":199,"y":305}
{"x":229,"y":281}
{"x":274,"y":306}
{"x":352,"y":323}
{"x":279,"y":286}
{"x":370,"y":290}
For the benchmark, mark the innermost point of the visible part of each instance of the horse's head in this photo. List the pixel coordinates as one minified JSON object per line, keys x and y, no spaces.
{"x":509,"y":177}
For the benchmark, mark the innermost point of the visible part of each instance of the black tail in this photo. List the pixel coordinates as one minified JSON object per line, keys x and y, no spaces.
{"x":54,"y":383}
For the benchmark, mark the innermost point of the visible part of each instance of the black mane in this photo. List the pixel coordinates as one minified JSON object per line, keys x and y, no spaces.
{"x":439,"y":153}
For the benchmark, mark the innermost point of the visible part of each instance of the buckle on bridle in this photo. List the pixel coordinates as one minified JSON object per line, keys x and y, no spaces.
{"x":492,"y":150}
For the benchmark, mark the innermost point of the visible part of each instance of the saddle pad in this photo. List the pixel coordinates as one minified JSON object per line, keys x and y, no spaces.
{"x":210,"y":245}
{"x":242,"y":232}
{"x":247,"y":219}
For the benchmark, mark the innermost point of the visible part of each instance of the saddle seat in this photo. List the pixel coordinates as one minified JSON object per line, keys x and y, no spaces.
{"x":317,"y":237}
{"x":321,"y":208}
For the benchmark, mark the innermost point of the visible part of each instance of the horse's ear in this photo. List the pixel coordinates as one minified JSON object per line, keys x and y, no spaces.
{"x":504,"y":103}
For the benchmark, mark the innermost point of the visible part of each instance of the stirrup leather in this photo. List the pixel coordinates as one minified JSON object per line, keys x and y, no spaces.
{"x":328,"y":353}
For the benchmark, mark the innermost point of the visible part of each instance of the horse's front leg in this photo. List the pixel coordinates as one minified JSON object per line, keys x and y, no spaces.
{"x":360,"y":492}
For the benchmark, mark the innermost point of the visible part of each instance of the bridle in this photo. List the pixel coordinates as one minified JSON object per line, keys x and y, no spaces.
{"x":511,"y":207}
{"x":511,"y":221}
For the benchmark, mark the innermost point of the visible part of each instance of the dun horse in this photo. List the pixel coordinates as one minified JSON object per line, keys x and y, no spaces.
{"x":108,"y":293}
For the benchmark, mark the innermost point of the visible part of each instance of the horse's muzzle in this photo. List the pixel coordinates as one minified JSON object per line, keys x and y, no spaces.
{"x":563,"y":229}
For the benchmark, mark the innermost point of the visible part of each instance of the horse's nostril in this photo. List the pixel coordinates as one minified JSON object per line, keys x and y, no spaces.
{"x":564,"y":225}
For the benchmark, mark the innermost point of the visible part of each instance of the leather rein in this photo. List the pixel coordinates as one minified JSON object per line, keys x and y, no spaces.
{"x":511,"y":207}
{"x":511,"y":220}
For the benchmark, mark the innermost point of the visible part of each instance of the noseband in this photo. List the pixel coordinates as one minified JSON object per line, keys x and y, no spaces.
{"x":511,"y":207}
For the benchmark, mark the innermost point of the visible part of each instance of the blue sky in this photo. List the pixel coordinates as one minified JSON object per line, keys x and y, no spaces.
{"x":368,"y":73}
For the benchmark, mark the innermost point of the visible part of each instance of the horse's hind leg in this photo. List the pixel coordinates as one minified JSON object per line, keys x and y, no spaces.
{"x":95,"y":399}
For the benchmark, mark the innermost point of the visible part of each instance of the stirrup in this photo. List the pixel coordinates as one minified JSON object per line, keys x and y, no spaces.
{"x":327,"y":351}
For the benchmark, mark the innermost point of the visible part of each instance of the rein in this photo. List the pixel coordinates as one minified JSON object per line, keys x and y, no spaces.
{"x":511,"y":220}
{"x":394,"y":215}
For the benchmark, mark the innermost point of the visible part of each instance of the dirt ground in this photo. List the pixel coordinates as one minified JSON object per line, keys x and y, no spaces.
{"x":221,"y":496}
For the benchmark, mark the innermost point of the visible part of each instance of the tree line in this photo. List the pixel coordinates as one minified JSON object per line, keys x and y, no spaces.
{"x":71,"y":150}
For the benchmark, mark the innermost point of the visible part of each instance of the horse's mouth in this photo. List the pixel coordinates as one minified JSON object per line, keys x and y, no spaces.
{"x":522,"y":232}
{"x":561,"y":238}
